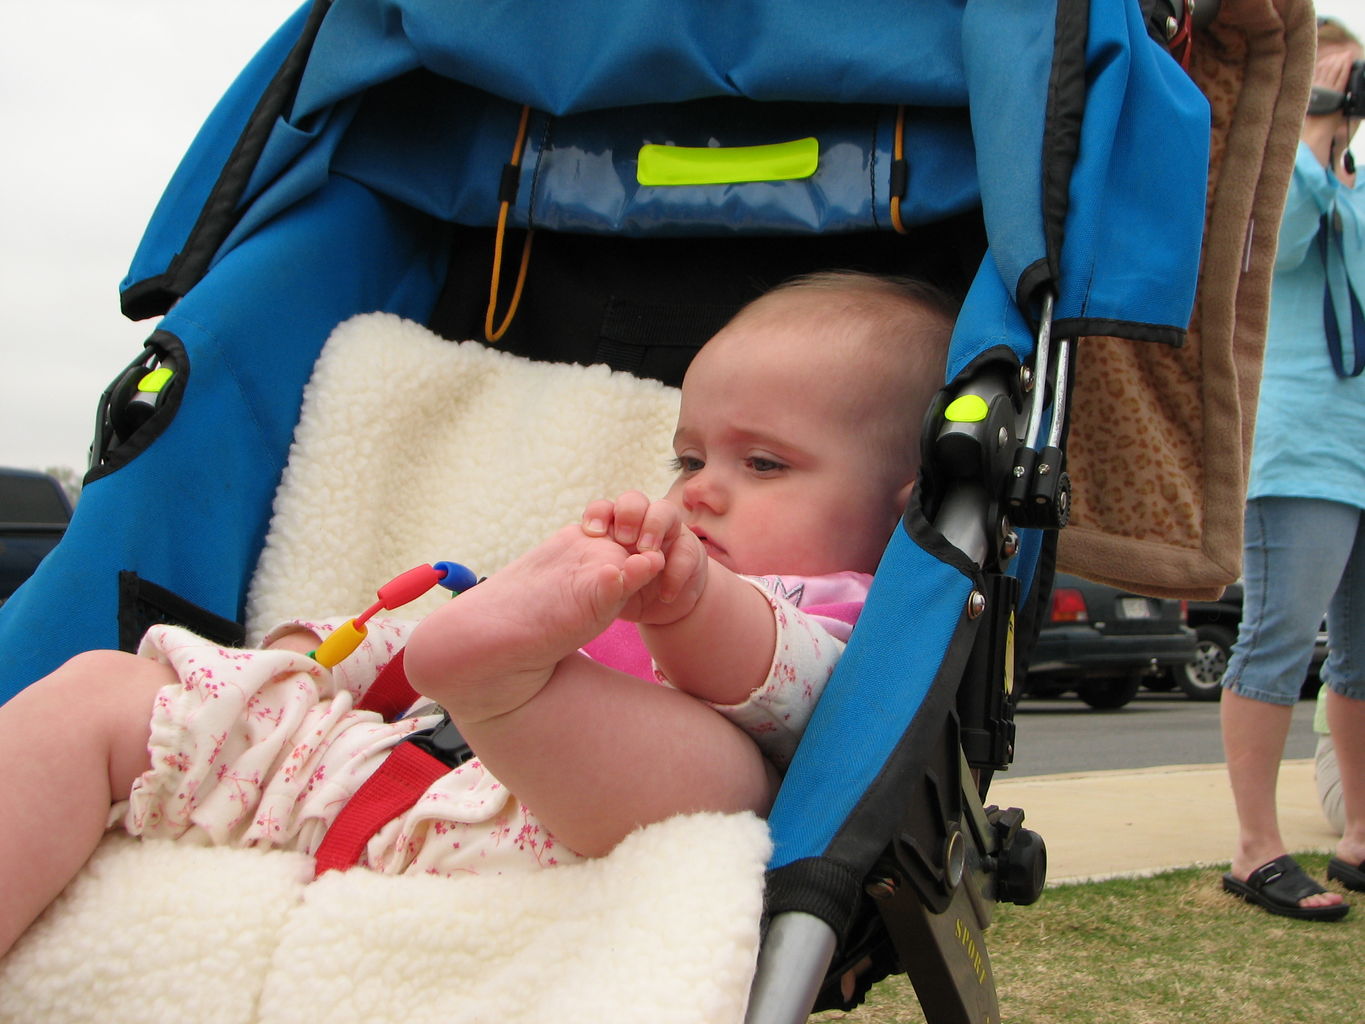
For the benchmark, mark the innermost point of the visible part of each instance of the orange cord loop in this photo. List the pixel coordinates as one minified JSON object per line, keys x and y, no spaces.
{"x":490,"y":332}
{"x":898,"y":155}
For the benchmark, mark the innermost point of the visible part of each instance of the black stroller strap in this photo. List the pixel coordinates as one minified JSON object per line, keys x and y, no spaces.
{"x":1327,"y":231}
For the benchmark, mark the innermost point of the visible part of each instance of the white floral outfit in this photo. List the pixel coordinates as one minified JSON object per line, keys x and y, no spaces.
{"x":265,"y":747}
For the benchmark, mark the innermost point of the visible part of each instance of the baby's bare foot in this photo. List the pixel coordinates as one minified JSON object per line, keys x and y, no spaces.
{"x":492,"y":648}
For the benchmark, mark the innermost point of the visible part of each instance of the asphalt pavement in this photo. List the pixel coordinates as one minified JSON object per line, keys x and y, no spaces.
{"x":1061,"y":735}
{"x":1140,"y":817}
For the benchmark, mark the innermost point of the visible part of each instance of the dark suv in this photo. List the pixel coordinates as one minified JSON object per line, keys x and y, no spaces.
{"x":1104,"y":643}
{"x":1215,"y":625}
{"x":34,"y":511}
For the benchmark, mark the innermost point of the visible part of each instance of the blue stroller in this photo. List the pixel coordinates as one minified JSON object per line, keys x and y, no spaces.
{"x":671,"y":161}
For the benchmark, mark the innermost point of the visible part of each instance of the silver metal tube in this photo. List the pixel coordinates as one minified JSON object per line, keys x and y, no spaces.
{"x":1062,"y":382}
{"x":1042,"y":356}
{"x":792,"y":964}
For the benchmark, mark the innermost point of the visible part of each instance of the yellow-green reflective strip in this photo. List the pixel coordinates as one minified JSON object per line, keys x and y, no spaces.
{"x":709,"y":165}
{"x":154,"y":381}
{"x":967,"y":409}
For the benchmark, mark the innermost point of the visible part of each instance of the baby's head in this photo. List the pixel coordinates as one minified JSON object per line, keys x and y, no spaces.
{"x":798,"y":436}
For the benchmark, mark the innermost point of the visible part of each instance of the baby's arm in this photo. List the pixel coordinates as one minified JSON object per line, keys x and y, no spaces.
{"x":709,"y":631}
{"x":296,"y":638}
{"x":722,"y":649}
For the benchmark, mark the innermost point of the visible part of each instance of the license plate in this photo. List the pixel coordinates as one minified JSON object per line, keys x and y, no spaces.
{"x":1135,"y":608}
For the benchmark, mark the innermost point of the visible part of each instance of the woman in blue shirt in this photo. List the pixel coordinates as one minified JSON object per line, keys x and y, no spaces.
{"x":1305,"y":517}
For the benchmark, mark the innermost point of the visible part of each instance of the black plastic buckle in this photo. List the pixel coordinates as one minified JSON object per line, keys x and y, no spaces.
{"x":1038,"y":491}
{"x":443,"y":742}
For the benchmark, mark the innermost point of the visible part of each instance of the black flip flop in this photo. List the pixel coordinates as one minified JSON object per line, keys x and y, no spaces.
{"x":1277,"y":887}
{"x":1353,"y":877}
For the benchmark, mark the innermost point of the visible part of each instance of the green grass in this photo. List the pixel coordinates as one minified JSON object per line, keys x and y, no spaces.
{"x":1160,"y":950}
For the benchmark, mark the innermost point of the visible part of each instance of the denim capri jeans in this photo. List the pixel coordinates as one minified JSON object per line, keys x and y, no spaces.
{"x":1302,"y":556}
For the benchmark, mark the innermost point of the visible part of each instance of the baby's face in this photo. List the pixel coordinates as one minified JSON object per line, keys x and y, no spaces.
{"x":776,"y":470}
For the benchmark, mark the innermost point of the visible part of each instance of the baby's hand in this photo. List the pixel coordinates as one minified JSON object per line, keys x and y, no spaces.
{"x":302,"y":640}
{"x":639,"y":524}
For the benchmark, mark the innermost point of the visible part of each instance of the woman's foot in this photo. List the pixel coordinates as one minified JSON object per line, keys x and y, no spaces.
{"x":1348,"y":865}
{"x":494,"y":647}
{"x":1349,"y":873}
{"x":1245,"y":867}
{"x":1280,"y":886}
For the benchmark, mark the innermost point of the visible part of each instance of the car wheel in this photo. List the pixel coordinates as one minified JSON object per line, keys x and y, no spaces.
{"x":1202,"y":678}
{"x":1107,"y":694}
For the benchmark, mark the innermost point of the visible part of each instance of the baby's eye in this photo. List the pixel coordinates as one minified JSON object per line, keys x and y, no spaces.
{"x":760,"y":464}
{"x":686,"y":464}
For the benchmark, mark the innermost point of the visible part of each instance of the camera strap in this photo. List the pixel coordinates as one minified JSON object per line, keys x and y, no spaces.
{"x":1327,"y":232}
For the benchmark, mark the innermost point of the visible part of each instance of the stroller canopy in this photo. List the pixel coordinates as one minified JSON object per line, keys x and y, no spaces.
{"x":1025,"y":111}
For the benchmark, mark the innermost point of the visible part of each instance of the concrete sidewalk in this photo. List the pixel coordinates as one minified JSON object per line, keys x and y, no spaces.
{"x":1106,"y":823}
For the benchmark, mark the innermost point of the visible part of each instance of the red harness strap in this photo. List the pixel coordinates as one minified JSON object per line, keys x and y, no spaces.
{"x":399,"y":782}
{"x":390,"y":694}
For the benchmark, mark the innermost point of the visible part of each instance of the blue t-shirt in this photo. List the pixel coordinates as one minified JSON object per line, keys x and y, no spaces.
{"x":1310,"y":423}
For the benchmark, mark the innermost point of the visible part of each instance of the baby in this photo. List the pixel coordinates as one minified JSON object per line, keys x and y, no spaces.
{"x":797,"y":447}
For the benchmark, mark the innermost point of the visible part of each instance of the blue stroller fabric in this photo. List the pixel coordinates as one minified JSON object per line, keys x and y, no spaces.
{"x":985,"y":68}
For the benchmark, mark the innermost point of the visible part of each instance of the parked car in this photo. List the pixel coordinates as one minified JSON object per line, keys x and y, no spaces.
{"x":34,"y":511}
{"x":1215,"y":625}
{"x":1103,"y":643}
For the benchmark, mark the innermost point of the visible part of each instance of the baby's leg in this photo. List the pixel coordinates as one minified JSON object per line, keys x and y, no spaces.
{"x":593,"y":752}
{"x":70,"y":746}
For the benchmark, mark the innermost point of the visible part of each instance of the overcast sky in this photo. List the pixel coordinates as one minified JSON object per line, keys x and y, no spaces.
{"x":98,"y":101}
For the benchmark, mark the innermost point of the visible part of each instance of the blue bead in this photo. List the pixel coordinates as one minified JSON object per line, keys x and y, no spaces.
{"x":456,"y":578}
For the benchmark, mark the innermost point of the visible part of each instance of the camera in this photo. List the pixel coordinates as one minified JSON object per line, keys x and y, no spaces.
{"x":1351,"y":102}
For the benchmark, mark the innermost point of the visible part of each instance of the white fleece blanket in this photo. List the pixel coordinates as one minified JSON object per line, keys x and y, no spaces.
{"x":411,"y":449}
